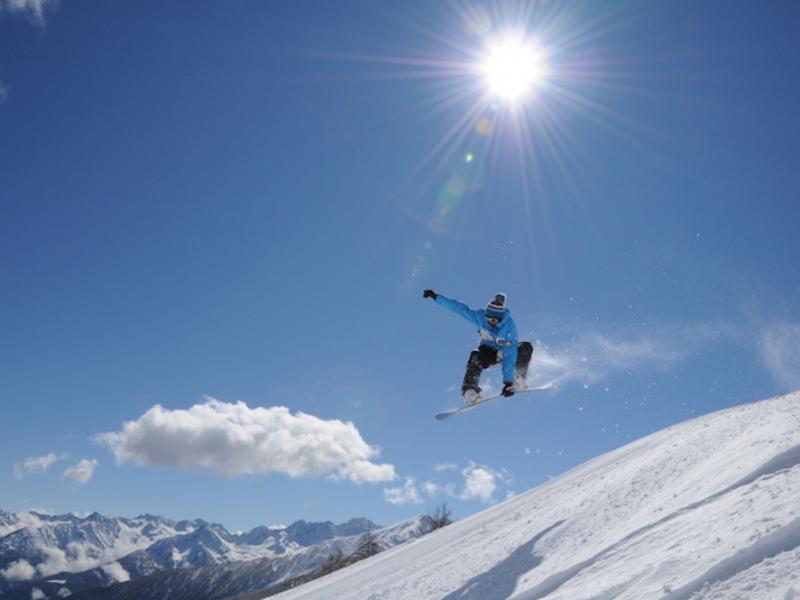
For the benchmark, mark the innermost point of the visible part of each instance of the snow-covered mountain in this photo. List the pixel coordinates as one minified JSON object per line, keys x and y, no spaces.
{"x":214,"y":545}
{"x":39,"y":545}
{"x":705,"y":510}
{"x":243,"y":580}
{"x":68,"y":553}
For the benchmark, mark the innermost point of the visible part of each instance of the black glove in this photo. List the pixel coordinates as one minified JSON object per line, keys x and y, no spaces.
{"x":508,"y":389}
{"x":429,"y":294}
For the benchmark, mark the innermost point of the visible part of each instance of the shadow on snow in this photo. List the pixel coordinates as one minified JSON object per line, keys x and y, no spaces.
{"x":499,"y":581}
{"x":786,"y":538}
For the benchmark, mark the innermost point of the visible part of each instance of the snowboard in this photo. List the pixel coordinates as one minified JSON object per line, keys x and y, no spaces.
{"x":454,"y":411}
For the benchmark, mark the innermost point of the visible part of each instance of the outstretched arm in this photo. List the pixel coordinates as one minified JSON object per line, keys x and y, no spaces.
{"x":461,"y":309}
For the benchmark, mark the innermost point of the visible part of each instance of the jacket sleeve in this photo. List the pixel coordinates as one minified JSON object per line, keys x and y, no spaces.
{"x":510,"y":353}
{"x":461,"y":309}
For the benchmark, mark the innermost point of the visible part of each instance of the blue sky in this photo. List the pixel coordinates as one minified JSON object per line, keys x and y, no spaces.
{"x":214,"y":210}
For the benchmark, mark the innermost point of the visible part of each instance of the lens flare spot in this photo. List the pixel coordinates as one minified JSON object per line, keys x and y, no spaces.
{"x":469,"y":157}
{"x":484,"y":126}
{"x":450,"y":198}
{"x":447,"y":206}
{"x":455,"y":188}
{"x":478,"y":22}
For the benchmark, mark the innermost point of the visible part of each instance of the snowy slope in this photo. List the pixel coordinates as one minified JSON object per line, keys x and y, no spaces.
{"x":708,"y":509}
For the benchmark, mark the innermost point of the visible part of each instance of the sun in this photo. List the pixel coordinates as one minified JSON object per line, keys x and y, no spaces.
{"x":513,"y":68}
{"x":503,"y":82}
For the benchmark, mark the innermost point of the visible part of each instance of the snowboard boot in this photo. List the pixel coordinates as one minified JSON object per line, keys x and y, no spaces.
{"x":471,"y":396}
{"x":520,"y":383}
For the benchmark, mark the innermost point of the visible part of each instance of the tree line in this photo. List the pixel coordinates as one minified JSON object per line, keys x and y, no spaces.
{"x":368,"y":544}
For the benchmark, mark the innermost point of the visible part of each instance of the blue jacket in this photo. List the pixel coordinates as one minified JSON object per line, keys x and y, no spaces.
{"x":501,"y":337}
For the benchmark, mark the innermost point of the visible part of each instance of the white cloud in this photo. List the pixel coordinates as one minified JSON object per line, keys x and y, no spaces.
{"x":55,"y":560}
{"x":34,"y":8}
{"x":408,"y":494}
{"x":431,"y":488}
{"x":36,"y":464}
{"x":116,"y":572}
{"x":235,"y":440}
{"x":75,"y":559}
{"x":82,"y":472}
{"x":363,"y":471}
{"x":439,"y":467}
{"x":780,"y":350}
{"x":21,"y":520}
{"x":20,"y":570}
{"x":37,"y":594}
{"x":481,"y":482}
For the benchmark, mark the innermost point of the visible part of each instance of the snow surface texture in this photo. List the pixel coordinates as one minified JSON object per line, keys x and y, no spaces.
{"x":704,"y":510}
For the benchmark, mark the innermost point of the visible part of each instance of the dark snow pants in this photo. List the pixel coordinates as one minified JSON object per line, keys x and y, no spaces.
{"x":486,"y":356}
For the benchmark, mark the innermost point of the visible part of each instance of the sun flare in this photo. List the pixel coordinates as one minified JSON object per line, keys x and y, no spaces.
{"x":513,"y":68}
{"x":504,"y":82}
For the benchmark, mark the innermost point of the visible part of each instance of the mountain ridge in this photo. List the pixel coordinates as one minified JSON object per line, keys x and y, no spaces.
{"x":69,"y":552}
{"x":245,"y":579}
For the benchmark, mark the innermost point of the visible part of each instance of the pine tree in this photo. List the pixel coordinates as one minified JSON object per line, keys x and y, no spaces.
{"x":334,"y":561}
{"x":367,"y":546}
{"x":440,"y":517}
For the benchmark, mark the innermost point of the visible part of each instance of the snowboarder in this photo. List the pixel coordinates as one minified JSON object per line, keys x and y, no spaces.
{"x":498,"y":344}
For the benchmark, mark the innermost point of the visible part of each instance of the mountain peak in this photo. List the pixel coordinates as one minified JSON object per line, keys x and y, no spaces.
{"x":307,"y":534}
{"x":149,"y":517}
